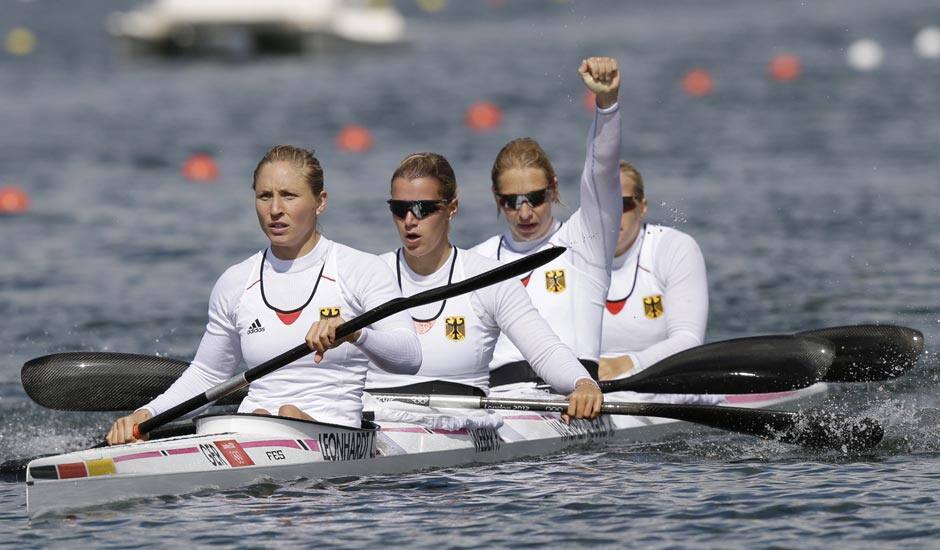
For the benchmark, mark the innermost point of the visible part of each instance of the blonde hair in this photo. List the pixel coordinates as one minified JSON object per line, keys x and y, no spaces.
{"x":524,"y":153}
{"x":429,"y":165}
{"x":631,"y":172}
{"x":300,"y":158}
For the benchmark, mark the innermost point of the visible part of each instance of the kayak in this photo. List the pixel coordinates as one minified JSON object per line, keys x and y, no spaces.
{"x":233,"y":450}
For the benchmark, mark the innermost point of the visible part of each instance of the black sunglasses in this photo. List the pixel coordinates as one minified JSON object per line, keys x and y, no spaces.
{"x":515,"y":202}
{"x":629,"y":203}
{"x":420,"y":209}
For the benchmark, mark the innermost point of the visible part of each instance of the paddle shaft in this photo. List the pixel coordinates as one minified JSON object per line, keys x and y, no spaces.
{"x":822,"y":430}
{"x":230,"y":386}
{"x":95,"y":381}
{"x":495,"y":275}
{"x":107,"y":381}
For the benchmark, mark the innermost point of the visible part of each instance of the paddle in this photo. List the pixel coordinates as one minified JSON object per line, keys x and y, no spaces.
{"x":870,"y":353}
{"x":495,"y":275}
{"x":759,"y":364}
{"x":103,"y":381}
{"x":815,"y":430}
{"x":100,"y":381}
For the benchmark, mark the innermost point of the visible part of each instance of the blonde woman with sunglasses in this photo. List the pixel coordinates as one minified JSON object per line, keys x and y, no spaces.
{"x":458,"y":335}
{"x":569,"y":292}
{"x":657,"y":304}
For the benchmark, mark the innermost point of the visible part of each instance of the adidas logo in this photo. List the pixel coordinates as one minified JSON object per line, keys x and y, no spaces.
{"x":255,"y":327}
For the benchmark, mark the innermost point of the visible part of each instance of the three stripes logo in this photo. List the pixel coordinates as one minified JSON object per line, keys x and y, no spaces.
{"x":255,"y":327}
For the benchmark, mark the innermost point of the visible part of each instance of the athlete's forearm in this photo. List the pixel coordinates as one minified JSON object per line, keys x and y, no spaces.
{"x":549,"y":357}
{"x":600,"y":209}
{"x":397,"y":351}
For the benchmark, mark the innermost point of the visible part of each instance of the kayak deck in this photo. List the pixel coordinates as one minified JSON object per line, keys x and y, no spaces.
{"x":230,"y":451}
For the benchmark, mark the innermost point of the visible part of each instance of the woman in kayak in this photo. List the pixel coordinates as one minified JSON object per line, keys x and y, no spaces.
{"x":458,"y":334}
{"x":657,"y":304}
{"x":570,"y":291}
{"x":302,"y":286}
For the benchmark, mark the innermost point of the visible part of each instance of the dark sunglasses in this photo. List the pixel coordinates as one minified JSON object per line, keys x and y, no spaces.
{"x":420,"y":209}
{"x":629,"y":203}
{"x":515,"y":202}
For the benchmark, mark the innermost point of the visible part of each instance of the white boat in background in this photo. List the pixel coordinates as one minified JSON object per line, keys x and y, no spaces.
{"x":229,"y":451}
{"x":279,"y":25}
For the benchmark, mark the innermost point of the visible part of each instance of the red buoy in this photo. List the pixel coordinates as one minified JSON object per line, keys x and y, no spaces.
{"x":200,"y":167}
{"x":483,"y":116}
{"x":354,"y":139}
{"x":698,"y":83}
{"x":13,"y":200}
{"x":785,"y":67}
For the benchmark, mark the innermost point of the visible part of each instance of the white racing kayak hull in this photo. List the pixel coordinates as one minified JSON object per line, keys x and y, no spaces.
{"x":230,"y":451}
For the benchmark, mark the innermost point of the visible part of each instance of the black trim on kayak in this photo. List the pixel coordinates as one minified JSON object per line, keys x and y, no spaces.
{"x":521,"y":371}
{"x":44,"y":472}
{"x":433,"y":387}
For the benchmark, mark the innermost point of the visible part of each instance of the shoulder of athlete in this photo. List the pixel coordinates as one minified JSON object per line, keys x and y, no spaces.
{"x":354,"y":263}
{"x":673,"y":246}
{"x":389,"y":258}
{"x":487,"y":248}
{"x":475,"y":263}
{"x":234,"y":281}
{"x":238,"y":274}
{"x":489,"y":300}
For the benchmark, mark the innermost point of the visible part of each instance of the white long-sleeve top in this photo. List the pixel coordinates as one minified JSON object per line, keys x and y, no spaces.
{"x":458,"y":336}
{"x":570,"y":291}
{"x":264,"y":306}
{"x":657,"y":305}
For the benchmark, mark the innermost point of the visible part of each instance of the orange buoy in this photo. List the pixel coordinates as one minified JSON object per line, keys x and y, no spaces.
{"x":589,"y":100}
{"x":13,"y":200}
{"x":200,"y":167}
{"x":354,"y":139}
{"x":698,"y":83}
{"x":483,"y":116}
{"x":785,"y":67}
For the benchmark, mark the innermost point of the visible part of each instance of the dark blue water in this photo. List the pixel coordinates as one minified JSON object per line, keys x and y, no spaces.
{"x":815,"y":203}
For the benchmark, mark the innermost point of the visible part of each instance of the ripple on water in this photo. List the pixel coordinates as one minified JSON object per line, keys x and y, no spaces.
{"x":814,"y":204}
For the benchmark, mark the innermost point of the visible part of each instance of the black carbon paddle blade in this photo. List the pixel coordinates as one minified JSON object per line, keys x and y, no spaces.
{"x":814,"y":430}
{"x":100,"y":381}
{"x":760,"y":364}
{"x":869,"y":353}
{"x":826,"y":430}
